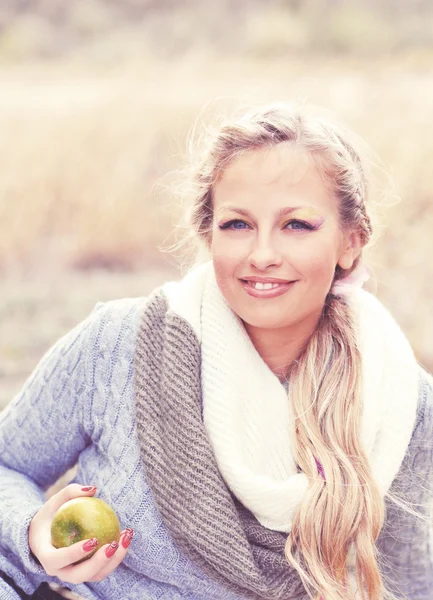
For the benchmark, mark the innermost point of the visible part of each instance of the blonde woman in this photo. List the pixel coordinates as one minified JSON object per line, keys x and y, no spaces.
{"x":262,"y":424}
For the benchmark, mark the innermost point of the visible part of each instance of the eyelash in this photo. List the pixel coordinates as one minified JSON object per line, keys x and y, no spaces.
{"x":306,"y":226}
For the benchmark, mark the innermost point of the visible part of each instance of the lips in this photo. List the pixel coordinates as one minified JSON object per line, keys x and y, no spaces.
{"x":270,"y":280}
{"x":273,"y":283}
{"x":273,"y":292}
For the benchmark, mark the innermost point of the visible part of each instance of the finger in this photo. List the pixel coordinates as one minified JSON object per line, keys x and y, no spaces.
{"x":89,"y":568}
{"x":58,"y":558}
{"x":125,"y":540}
{"x":73,"y":490}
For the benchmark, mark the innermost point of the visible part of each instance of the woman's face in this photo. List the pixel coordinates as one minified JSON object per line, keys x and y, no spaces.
{"x":252,"y":237}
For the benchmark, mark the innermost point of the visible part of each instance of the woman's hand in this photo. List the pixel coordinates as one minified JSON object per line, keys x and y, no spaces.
{"x":58,"y":562}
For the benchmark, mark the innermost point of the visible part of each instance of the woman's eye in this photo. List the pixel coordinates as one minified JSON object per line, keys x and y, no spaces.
{"x":296,"y":225}
{"x":302,"y":225}
{"x":229,"y":224}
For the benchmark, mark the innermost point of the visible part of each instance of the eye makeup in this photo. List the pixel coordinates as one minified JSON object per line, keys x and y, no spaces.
{"x":304,"y":226}
{"x":310,"y":217}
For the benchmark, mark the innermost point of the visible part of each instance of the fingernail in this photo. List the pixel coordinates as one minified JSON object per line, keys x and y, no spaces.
{"x":111,"y":549}
{"x":127,"y":537}
{"x":89,"y":488}
{"x":90,"y":544}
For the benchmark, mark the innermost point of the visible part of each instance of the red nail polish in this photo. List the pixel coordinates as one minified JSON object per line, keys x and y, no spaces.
{"x":90,"y":544}
{"x":127,"y":537}
{"x":88,"y":488}
{"x":111,"y":549}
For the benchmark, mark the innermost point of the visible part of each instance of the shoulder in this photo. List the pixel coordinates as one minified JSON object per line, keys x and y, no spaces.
{"x":121,"y":312}
{"x":113,"y":326}
{"x":104,"y":335}
{"x":108,"y":354}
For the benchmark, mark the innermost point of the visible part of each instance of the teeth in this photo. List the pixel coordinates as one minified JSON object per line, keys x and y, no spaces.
{"x":263,"y":286}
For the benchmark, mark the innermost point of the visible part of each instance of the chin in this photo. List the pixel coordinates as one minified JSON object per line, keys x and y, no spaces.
{"x":270,"y":322}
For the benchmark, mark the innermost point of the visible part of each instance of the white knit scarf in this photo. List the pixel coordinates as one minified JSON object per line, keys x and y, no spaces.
{"x":246,"y":411}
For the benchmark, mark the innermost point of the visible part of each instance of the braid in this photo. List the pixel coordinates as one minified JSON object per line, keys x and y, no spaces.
{"x":364,"y":222}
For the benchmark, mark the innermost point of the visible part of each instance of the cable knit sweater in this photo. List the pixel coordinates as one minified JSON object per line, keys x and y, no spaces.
{"x":78,"y":407}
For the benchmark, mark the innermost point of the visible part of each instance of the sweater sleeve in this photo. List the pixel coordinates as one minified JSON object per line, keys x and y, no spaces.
{"x":42,"y":432}
{"x":406,"y":540}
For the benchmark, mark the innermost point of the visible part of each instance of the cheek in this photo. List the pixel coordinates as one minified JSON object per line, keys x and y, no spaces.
{"x":223,"y":263}
{"x":224,"y":275}
{"x":317,"y":264}
{"x":228,"y":263}
{"x":226,"y":253}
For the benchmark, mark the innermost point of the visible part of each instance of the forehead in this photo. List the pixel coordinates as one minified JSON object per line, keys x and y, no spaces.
{"x":281,"y":174}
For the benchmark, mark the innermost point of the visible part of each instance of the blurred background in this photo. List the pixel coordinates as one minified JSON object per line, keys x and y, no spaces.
{"x":97,"y":98}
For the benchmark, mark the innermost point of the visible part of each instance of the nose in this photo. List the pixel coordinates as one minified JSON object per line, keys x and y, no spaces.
{"x":264,"y":254}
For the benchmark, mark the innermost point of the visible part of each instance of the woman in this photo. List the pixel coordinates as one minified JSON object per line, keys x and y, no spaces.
{"x":262,"y":425}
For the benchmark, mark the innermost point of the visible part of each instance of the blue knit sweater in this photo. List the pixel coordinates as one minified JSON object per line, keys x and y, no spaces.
{"x":78,"y":407}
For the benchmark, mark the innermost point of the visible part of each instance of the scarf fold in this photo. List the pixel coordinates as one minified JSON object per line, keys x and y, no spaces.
{"x":213,"y":423}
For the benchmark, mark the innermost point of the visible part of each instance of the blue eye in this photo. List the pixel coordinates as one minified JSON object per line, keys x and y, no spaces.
{"x":229,"y":224}
{"x":301,"y":225}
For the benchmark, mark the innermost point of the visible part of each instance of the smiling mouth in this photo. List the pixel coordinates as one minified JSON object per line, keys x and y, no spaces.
{"x":265,"y":285}
{"x":263,"y":291}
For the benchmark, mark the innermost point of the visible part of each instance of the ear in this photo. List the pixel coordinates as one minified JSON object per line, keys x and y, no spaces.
{"x":350,"y":250}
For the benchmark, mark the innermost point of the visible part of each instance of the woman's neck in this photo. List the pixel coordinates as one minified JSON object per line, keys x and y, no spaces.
{"x":280,"y":348}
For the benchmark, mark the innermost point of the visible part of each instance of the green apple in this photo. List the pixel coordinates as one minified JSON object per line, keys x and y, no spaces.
{"x":82,"y":519}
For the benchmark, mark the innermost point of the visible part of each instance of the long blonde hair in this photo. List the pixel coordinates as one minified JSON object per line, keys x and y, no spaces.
{"x":346,"y":512}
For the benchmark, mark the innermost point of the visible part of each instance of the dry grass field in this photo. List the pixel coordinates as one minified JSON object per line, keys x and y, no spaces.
{"x":85,"y":208}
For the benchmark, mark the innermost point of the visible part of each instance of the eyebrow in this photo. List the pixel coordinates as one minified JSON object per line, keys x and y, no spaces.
{"x":280,"y":213}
